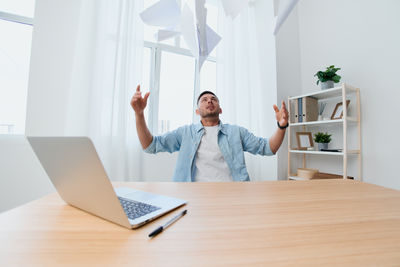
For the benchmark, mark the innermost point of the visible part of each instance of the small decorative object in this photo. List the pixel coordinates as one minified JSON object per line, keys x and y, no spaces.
{"x":338,"y":111}
{"x":304,"y":140}
{"x":328,"y":77}
{"x":322,"y":139}
{"x":321,"y":109}
{"x":306,"y":173}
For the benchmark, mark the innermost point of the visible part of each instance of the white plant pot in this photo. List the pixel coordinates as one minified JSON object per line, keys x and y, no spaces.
{"x":327,"y":85}
{"x":322,"y":146}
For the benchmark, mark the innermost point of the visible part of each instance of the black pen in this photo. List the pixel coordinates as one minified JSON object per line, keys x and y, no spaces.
{"x":161,"y":228}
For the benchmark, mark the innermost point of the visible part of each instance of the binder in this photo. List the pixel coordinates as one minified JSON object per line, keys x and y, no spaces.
{"x":296,"y":111}
{"x":300,"y":109}
{"x":309,"y":109}
{"x":293,"y":111}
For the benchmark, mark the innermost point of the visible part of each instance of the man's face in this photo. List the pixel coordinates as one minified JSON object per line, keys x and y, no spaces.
{"x":208,"y":106}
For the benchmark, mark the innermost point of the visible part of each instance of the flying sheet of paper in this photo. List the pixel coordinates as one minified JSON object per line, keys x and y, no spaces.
{"x":162,"y":35}
{"x":212,"y":40}
{"x":234,"y":7}
{"x":201,"y":17}
{"x":285,"y":7}
{"x":189,"y":30}
{"x":165,"y":13}
{"x":199,"y":37}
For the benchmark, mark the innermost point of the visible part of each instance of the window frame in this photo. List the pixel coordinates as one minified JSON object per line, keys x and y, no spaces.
{"x":156,"y":50}
{"x":14,"y":18}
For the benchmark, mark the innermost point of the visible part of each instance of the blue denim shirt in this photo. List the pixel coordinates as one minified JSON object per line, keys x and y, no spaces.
{"x":232,"y":140}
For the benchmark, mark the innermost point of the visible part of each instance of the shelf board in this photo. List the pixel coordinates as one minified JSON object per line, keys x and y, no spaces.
{"x":349,"y":119}
{"x":328,"y":93}
{"x":297,"y":178}
{"x":349,"y":152}
{"x":294,"y":177}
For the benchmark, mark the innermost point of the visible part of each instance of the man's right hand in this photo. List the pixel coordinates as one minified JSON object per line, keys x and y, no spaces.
{"x":138,"y":102}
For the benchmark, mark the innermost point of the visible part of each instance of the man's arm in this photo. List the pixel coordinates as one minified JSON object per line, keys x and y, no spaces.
{"x":276,"y":139}
{"x":138,"y":104}
{"x":282,"y":116}
{"x":143,"y":132}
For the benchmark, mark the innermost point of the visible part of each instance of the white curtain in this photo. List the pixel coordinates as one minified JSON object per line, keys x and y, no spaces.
{"x":86,"y":62}
{"x":246,"y":78}
{"x":117,"y":69}
{"x":106,"y":67}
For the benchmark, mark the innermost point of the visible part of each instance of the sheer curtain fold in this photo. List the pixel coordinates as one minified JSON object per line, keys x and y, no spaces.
{"x":246,"y":81}
{"x":117,"y":69}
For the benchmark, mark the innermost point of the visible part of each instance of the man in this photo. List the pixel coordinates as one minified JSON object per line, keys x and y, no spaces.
{"x":210,"y":150}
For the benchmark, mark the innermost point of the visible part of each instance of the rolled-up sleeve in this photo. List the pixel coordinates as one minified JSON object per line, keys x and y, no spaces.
{"x":169,"y":142}
{"x":253,"y":144}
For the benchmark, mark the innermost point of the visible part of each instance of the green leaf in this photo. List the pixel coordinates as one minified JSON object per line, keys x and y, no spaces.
{"x":322,"y":137}
{"x":336,"y":78}
{"x":328,"y":75}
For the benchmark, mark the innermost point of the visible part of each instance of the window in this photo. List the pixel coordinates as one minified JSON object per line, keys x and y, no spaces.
{"x":15,"y":49}
{"x":174,"y":79}
{"x":176,"y":91}
{"x":146,"y":73}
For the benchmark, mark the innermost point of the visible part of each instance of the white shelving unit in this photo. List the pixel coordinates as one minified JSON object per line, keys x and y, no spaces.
{"x":343,"y":91}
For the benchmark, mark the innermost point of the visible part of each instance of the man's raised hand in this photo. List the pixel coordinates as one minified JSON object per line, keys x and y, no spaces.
{"x":282,"y":115}
{"x":138,"y":102}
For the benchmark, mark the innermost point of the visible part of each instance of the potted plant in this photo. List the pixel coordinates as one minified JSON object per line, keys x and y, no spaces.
{"x":322,"y":139}
{"x":328,"y":77}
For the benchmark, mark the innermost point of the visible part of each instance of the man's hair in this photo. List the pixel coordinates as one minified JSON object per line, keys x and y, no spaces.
{"x":203,"y":93}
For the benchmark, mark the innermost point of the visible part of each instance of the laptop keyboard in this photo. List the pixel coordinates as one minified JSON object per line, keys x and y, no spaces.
{"x":136,"y":209}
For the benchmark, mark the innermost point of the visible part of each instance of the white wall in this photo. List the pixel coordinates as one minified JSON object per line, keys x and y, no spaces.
{"x":22,"y":177}
{"x":288,"y":74}
{"x":362,"y":37}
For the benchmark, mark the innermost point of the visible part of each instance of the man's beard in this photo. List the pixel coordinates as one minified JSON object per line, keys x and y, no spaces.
{"x":214,"y":114}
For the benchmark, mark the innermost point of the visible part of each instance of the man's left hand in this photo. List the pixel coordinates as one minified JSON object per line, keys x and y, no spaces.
{"x":282,"y":115}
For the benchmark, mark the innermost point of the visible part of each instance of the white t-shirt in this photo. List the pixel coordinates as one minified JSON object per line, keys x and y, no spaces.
{"x":210,"y":164}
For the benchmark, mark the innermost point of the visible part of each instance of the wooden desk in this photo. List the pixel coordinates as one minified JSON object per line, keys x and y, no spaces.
{"x":285,"y":223}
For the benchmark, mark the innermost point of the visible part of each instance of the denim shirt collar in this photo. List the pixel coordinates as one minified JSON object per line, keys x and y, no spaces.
{"x":221,"y":128}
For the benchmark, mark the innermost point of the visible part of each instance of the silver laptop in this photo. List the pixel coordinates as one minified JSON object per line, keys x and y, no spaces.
{"x":77,"y":173}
